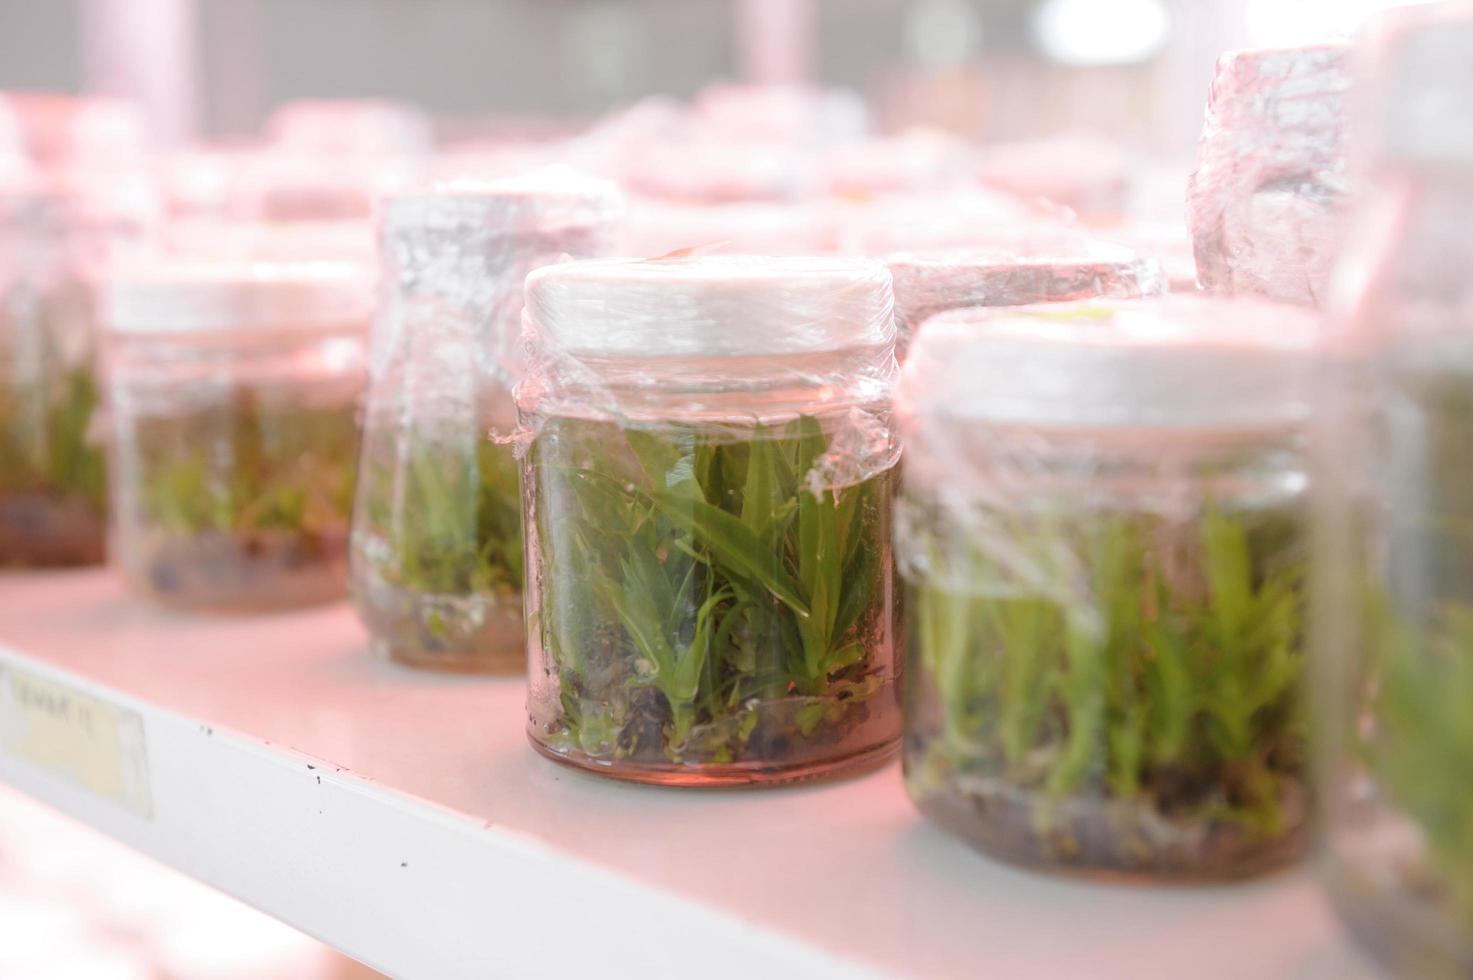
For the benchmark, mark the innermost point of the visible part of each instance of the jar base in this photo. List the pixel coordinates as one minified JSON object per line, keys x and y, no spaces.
{"x":729,"y":775}
{"x":1110,"y":841}
{"x":40,"y":531}
{"x":219,"y":573}
{"x":470,"y":633}
{"x":507,"y":662}
{"x":1401,"y":931}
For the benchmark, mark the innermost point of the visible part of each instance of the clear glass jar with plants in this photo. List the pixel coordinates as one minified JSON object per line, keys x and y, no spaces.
{"x":1394,"y":549}
{"x":51,"y":464}
{"x":437,"y":534}
{"x":1103,"y":538}
{"x":707,"y":477}
{"x":234,"y":397}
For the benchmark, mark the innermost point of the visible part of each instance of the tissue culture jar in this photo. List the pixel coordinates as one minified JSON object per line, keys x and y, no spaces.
{"x":710,"y":595}
{"x":436,"y":550}
{"x":1099,"y":685}
{"x":1106,"y":644}
{"x":234,"y":396}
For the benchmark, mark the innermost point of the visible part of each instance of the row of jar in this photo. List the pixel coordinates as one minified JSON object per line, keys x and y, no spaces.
{"x":1100,"y":543}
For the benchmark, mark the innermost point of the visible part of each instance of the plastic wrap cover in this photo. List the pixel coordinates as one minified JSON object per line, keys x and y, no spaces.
{"x":1071,"y":267}
{"x":1179,"y":364}
{"x":724,"y":339}
{"x":1416,"y":86}
{"x":463,"y":250}
{"x":1265,"y":201}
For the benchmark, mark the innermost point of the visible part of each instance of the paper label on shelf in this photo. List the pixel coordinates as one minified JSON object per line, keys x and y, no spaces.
{"x":56,"y":727}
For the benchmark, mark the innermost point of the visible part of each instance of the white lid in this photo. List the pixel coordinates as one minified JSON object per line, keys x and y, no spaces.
{"x":711,"y":306}
{"x":541,"y":201}
{"x":1179,"y":362}
{"x":179,"y":297}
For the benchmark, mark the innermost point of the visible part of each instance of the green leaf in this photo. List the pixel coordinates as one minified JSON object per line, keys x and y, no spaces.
{"x":705,"y":541}
{"x":731,"y":542}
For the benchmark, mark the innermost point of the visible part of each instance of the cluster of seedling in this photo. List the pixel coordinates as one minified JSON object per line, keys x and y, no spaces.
{"x":242,"y":496}
{"x":438,"y":551}
{"x":52,"y":473}
{"x":1423,"y":738}
{"x":1113,"y":691}
{"x":699,"y":602}
{"x":1418,"y":676}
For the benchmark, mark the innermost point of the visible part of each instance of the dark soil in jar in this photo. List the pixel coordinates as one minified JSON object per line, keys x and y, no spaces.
{"x":39,"y":530}
{"x":243,"y":502}
{"x":1407,"y":923}
{"x":1100,"y":836}
{"x":52,"y":474}
{"x":215,"y":570}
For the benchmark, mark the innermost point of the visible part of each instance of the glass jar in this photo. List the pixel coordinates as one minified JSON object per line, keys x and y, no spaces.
{"x":707,"y":481}
{"x":1103,"y":543}
{"x":51,"y":469}
{"x":1025,"y":266}
{"x":233,"y":393}
{"x":1394,"y":548}
{"x":437,"y":534}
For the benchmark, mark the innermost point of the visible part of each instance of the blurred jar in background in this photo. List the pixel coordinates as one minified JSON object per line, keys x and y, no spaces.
{"x":233,"y":393}
{"x":1394,"y":554}
{"x":332,"y":160}
{"x":1103,"y":538}
{"x":437,"y":532}
{"x":51,"y":468}
{"x":97,"y":151}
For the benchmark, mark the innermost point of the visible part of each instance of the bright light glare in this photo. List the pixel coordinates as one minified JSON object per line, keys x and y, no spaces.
{"x":1096,"y":32}
{"x":1280,"y":23}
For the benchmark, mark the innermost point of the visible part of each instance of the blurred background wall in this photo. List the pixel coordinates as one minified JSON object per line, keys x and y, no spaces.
{"x":1136,"y":68}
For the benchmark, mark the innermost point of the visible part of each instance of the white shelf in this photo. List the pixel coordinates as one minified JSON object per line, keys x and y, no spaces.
{"x":402,"y":818}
